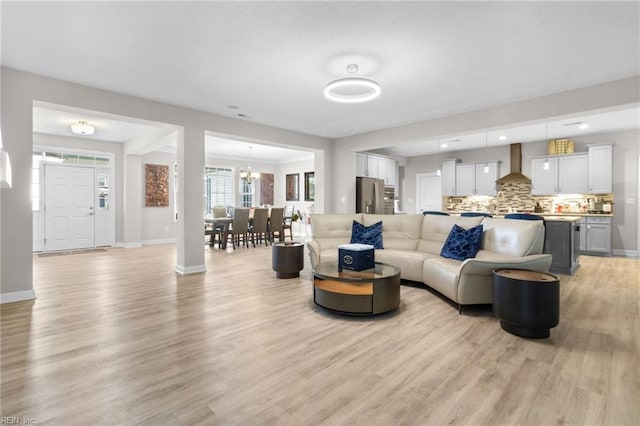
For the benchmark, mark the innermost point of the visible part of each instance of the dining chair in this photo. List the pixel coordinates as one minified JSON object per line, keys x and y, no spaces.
{"x":258,"y":229}
{"x":276,"y":224}
{"x":240,"y":227}
{"x":217,"y":230}
{"x":288,"y":221}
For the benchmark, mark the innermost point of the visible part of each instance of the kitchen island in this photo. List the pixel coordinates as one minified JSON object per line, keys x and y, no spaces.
{"x":562,"y":242}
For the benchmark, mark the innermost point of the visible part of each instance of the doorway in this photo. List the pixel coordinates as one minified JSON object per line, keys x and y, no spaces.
{"x":428,"y":192}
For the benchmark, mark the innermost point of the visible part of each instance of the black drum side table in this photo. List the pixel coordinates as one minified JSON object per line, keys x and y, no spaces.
{"x":287,"y":259}
{"x":526,"y":302}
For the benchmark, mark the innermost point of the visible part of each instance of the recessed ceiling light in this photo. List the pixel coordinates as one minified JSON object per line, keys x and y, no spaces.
{"x":502,"y":138}
{"x":583,"y":126}
{"x":444,"y":145}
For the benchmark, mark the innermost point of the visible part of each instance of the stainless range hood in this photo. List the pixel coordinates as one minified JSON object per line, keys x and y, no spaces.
{"x":516,"y":166}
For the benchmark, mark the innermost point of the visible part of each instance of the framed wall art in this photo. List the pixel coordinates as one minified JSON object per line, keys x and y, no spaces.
{"x":292,"y":187}
{"x":309,"y":186}
{"x":156,"y":185}
{"x":266,"y":188}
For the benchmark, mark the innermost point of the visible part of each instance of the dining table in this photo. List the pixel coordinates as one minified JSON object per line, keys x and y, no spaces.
{"x":225,"y":222}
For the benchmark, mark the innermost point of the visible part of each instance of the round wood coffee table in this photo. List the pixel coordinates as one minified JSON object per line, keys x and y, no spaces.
{"x":369,"y":292}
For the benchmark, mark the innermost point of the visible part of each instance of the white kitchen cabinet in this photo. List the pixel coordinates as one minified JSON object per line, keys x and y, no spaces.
{"x":600,"y":170}
{"x":387,"y":171}
{"x":448,"y":176}
{"x":465,"y":179}
{"x":559,"y":175}
{"x":486,"y":180}
{"x":572,"y":174}
{"x":544,"y":176}
{"x":372,"y":166}
{"x":471,"y":179}
{"x":361,"y":164}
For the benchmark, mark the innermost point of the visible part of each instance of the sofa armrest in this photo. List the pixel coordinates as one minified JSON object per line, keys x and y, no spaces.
{"x":534,"y":262}
{"x":475,"y":276}
{"x":314,"y":252}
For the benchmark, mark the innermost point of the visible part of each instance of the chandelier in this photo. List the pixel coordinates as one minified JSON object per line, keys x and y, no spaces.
{"x":249,"y":175}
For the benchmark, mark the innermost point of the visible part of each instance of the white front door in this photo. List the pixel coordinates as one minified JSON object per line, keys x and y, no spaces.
{"x":428,"y":192}
{"x":69,"y":203}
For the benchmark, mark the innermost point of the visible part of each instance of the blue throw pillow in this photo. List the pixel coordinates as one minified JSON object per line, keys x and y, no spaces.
{"x":372,"y":235}
{"x":462,"y":243}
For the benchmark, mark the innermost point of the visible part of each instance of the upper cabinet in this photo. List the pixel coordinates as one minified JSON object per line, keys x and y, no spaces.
{"x":361,"y":164}
{"x":387,"y":171}
{"x":565,"y":174}
{"x":600,"y":170}
{"x":448,"y":176}
{"x":477,"y":179}
{"x":368,"y":165}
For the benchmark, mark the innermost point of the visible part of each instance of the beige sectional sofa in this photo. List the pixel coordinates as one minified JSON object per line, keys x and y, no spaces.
{"x":413,"y":244}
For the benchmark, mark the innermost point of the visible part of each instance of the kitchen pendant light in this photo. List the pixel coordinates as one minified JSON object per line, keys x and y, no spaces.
{"x":546,"y":166}
{"x":439,"y":171}
{"x":486,"y":147}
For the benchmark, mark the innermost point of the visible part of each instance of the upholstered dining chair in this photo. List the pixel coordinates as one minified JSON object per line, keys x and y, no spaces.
{"x":240,"y":227}
{"x":276,"y":223}
{"x":217,"y":230}
{"x":288,"y":221}
{"x":258,"y":229}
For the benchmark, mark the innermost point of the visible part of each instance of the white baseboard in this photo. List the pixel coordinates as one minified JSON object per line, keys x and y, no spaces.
{"x":625,"y":253}
{"x":132,"y":245}
{"x":184,"y":270}
{"x":17,"y":296}
{"x":154,"y":242}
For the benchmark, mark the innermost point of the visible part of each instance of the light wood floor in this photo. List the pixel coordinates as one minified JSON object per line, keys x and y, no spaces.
{"x":118,"y":338}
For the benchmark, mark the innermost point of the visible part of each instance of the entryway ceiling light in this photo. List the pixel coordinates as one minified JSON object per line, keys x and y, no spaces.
{"x":82,"y":128}
{"x":351,"y":90}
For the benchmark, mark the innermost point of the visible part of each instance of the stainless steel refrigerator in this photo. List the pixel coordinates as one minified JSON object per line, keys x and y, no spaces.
{"x":370,"y":195}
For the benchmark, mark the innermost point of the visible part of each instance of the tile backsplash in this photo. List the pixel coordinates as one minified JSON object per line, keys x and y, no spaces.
{"x":516,"y":196}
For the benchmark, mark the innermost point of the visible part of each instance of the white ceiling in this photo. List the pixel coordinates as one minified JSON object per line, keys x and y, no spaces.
{"x":273,"y":59}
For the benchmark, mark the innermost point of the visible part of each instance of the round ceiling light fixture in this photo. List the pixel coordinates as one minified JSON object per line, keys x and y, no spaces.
{"x":82,"y":128}
{"x":352,"y":90}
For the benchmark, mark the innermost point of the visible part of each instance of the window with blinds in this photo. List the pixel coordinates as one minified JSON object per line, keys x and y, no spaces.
{"x":218,"y":188}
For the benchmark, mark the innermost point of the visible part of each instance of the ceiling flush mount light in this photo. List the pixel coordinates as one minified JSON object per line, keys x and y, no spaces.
{"x":583,"y":126}
{"x":82,"y":128}
{"x":351,"y":90}
{"x":502,"y":138}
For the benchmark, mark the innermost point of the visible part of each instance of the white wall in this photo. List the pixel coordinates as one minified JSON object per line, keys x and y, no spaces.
{"x":19,"y":90}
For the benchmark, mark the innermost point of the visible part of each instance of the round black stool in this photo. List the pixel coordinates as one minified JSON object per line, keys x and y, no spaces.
{"x":526,"y":302}
{"x":287,"y":259}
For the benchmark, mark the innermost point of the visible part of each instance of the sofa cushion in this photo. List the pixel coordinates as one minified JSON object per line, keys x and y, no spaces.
{"x":400,"y":231}
{"x":435,"y":230}
{"x":462,"y":243}
{"x":410,"y":262}
{"x":331,"y":230}
{"x":515,"y":238}
{"x":371,"y":235}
